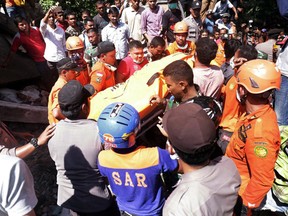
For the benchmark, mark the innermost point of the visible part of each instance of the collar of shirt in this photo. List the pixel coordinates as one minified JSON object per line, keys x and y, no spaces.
{"x":113,"y":26}
{"x":258,"y":113}
{"x":112,"y":68}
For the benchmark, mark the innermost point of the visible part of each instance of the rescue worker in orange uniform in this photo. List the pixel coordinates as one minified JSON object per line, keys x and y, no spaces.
{"x":220,"y":56}
{"x":255,"y":142}
{"x":181,"y":44}
{"x":103,"y":71}
{"x":75,"y":48}
{"x":232,"y":109}
{"x":67,"y":70}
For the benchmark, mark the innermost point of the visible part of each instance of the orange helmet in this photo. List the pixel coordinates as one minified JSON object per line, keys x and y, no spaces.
{"x":259,"y":76}
{"x":74,"y":43}
{"x":180,"y":27}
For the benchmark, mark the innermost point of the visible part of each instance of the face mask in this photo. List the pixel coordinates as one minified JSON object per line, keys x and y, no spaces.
{"x":75,"y":57}
{"x":138,"y":62}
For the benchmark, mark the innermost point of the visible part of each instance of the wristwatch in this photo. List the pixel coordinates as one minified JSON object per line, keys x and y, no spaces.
{"x":34,"y":142}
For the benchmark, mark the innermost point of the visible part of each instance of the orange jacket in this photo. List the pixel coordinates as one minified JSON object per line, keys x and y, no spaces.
{"x":232,"y":109}
{"x":53,"y":99}
{"x":254,"y":148}
{"x":220,"y":56}
{"x":83,"y":77}
{"x":102,"y":76}
{"x":173,"y":48}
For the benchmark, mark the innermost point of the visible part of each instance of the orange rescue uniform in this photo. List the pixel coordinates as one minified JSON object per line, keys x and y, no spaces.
{"x":189,"y":50}
{"x":254,"y":148}
{"x":83,"y":77}
{"x":53,"y":99}
{"x":102,"y":76}
{"x":220,"y":55}
{"x":232,"y":109}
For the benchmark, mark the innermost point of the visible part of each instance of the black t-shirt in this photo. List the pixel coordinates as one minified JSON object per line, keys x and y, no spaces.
{"x":169,"y":19}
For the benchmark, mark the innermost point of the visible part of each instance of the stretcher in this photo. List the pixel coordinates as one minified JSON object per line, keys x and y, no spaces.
{"x":137,"y":90}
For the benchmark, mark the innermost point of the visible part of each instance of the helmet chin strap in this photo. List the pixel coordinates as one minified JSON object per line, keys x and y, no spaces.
{"x":240,"y":98}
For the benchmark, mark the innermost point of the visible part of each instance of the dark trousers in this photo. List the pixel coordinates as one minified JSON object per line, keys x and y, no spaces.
{"x":113,"y":210}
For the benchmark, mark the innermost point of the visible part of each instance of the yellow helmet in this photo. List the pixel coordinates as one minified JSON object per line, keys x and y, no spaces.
{"x":259,"y":76}
{"x":74,"y":43}
{"x":180,"y":27}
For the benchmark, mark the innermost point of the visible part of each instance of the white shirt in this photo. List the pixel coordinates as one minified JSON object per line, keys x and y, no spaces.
{"x":84,"y":37}
{"x":133,"y":19}
{"x":17,"y":193}
{"x":222,"y":7}
{"x":118,"y":35}
{"x":55,"y":42}
{"x":282,"y":60}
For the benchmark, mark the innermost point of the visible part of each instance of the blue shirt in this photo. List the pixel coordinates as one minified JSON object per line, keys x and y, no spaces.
{"x":135,"y":178}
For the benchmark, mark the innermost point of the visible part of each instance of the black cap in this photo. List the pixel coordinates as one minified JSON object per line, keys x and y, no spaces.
{"x":67,"y":64}
{"x":196,"y":4}
{"x":72,"y":96}
{"x":189,"y":127}
{"x":104,"y":47}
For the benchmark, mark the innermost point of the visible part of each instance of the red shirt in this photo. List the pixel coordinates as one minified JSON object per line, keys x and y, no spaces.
{"x":33,"y":43}
{"x":63,"y":25}
{"x":127,"y":67}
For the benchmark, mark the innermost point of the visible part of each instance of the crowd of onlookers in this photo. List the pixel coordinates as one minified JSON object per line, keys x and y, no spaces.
{"x":224,"y":153}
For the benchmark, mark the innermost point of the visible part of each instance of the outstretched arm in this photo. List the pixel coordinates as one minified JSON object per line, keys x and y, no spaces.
{"x":25,"y":150}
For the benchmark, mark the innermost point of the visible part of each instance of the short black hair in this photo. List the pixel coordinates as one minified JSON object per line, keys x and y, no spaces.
{"x":199,"y":157}
{"x":85,"y":11}
{"x":87,"y":19}
{"x":230,"y":47}
{"x":247,"y":51}
{"x":179,"y":70}
{"x":69,"y":13}
{"x":100,"y":2}
{"x":18,"y":19}
{"x":206,"y":50}
{"x":157,"y":41}
{"x":113,"y":10}
{"x":226,"y":30}
{"x":135,"y":44}
{"x":92,"y":30}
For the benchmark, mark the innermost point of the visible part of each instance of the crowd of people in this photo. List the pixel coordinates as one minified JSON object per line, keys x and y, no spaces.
{"x":224,"y":154}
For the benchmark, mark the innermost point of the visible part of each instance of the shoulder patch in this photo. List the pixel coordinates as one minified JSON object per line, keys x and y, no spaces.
{"x":260,"y":151}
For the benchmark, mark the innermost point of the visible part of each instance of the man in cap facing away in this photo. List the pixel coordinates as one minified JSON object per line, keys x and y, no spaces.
{"x":204,"y":189}
{"x":103,"y":71}
{"x":80,"y":186}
